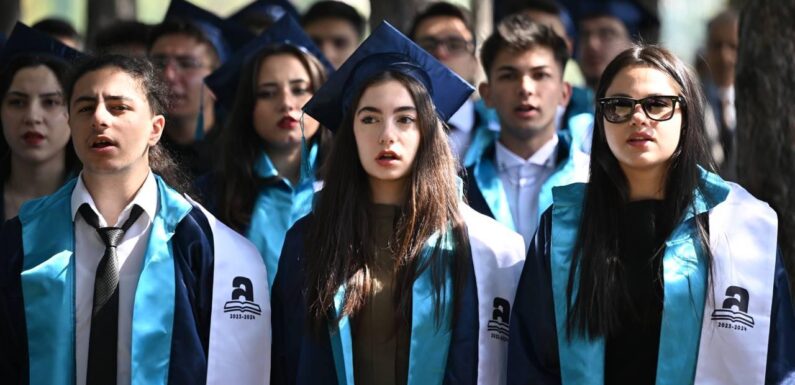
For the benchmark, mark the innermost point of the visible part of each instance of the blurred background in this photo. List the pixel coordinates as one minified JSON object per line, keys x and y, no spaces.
{"x":682,"y":22}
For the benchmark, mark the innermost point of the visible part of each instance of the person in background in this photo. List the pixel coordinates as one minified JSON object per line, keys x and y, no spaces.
{"x":60,"y":30}
{"x":721,"y":58}
{"x":335,"y":27}
{"x":36,"y":155}
{"x":392,"y":279}
{"x":259,"y":15}
{"x":189,"y":45}
{"x":445,"y":31}
{"x":635,"y":277}
{"x":264,"y":182}
{"x":128,"y":38}
{"x":606,"y":28}
{"x":512,"y":172}
{"x":124,"y":278}
{"x":555,"y":16}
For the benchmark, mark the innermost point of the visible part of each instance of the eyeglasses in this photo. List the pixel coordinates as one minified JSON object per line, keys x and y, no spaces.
{"x":183,"y":63}
{"x":453,"y":45}
{"x":338,"y":42}
{"x":656,"y":107}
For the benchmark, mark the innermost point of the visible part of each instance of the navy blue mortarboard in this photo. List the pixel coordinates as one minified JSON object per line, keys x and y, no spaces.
{"x":630,"y":12}
{"x":26,"y":40}
{"x":271,"y":9}
{"x":225,"y":36}
{"x":386,"y":49}
{"x":223,"y":82}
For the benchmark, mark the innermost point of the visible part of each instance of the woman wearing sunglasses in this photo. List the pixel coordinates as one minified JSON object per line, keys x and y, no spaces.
{"x":656,"y":271}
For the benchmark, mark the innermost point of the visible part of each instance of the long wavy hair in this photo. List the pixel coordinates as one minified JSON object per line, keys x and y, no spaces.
{"x":60,"y":69}
{"x":241,"y":147}
{"x":339,"y":242}
{"x":602,"y":291}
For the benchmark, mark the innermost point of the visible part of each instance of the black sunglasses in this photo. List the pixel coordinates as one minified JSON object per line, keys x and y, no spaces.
{"x":656,"y":107}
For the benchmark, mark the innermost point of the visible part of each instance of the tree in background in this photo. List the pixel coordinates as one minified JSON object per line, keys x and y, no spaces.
{"x":765,"y":88}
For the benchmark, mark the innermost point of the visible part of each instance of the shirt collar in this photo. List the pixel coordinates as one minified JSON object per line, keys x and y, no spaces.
{"x":464,"y":118}
{"x":545,"y":156}
{"x":146,"y":197}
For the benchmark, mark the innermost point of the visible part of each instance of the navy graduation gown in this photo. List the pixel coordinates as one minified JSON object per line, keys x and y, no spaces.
{"x":194,"y":260}
{"x":533,"y":355}
{"x":301,"y":357}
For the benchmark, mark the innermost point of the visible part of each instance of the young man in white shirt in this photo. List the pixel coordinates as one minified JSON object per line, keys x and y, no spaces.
{"x":118,"y":277}
{"x":511,"y":173}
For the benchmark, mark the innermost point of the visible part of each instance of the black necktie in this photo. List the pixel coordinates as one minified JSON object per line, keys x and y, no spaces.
{"x":102,"y":344}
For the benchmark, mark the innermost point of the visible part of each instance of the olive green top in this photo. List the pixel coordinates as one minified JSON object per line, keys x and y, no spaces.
{"x":380,"y":343}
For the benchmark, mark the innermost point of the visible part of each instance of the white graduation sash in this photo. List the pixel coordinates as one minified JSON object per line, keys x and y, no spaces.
{"x":240,"y":323}
{"x":498,"y":256}
{"x":736,"y":324}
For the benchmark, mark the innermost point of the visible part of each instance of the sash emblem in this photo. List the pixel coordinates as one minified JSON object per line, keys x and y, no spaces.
{"x":739,"y":319}
{"x":500,"y":317}
{"x":242,"y":300}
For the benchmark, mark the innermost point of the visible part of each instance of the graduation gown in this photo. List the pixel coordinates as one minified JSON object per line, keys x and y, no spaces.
{"x":201,"y":314}
{"x":484,"y":189}
{"x":744,"y":336}
{"x":278,"y":205}
{"x":469,"y":348}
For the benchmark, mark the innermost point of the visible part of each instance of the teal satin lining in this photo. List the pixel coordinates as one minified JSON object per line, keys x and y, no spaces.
{"x":685,"y":276}
{"x":342,"y":341}
{"x":153,"y":309}
{"x":48,"y":289}
{"x":48,"y":276}
{"x":429,"y":344}
{"x":277,"y":208}
{"x":490,"y":185}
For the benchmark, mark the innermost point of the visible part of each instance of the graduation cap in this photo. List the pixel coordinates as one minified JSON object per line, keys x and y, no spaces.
{"x":286,"y":31}
{"x":225,"y":36}
{"x":634,"y":16}
{"x":26,"y":40}
{"x":272,"y":10}
{"x":386,"y":49}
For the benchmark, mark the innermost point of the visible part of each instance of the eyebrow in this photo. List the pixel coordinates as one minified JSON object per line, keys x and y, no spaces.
{"x":378,"y":111}
{"x":291,"y":82}
{"x":514,"y":69}
{"x":44,"y":95}
{"x":93,"y":99}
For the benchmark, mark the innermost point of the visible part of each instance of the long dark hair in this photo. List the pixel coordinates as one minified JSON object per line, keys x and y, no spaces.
{"x":156,"y":92}
{"x":339,"y":242}
{"x":238,"y":183}
{"x":594,"y":312}
{"x":60,"y":69}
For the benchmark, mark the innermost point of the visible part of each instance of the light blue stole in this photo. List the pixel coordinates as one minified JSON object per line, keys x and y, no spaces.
{"x":429,"y":344}
{"x":582,"y":359}
{"x":48,"y":287}
{"x":488,"y":179}
{"x":278,"y":207}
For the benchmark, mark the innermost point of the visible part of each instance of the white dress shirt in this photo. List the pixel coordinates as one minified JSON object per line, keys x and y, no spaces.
{"x":522,"y":180}
{"x":729,"y":112}
{"x":461,"y":125}
{"x":89,"y":250}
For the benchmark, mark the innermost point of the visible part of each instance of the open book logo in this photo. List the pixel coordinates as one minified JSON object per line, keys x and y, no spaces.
{"x":735,"y":307}
{"x":242,"y":300}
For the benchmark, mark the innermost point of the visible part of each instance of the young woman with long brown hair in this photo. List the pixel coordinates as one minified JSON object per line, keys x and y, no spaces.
{"x":656,"y":270}
{"x":260,"y":188}
{"x":392,"y":279}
